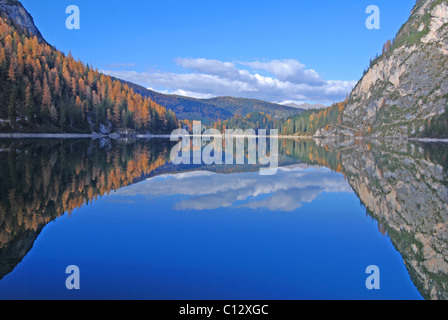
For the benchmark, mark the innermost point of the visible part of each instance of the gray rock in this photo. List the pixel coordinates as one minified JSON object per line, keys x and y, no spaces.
{"x":14,"y":10}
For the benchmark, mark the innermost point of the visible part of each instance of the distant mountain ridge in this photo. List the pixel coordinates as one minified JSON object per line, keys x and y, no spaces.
{"x":243,"y":106}
{"x":183,"y":107}
{"x":214,"y":109}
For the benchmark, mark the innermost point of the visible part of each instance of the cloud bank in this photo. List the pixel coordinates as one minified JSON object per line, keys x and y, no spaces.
{"x":275,"y":81}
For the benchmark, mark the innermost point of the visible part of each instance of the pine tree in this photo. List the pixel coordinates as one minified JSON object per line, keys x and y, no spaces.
{"x":46,"y":95}
{"x":29,"y":102}
{"x":12,"y":114}
{"x":12,"y":70}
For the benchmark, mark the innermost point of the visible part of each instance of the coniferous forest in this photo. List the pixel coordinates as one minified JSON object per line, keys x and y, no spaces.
{"x":44,"y":90}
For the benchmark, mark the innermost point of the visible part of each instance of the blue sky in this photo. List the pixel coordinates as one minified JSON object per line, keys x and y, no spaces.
{"x":280,"y":51}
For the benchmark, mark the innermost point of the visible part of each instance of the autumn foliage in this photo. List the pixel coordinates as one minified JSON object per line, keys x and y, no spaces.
{"x":41,"y":87}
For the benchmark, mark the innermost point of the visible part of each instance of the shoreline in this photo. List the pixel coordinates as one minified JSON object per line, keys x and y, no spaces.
{"x":428,"y":140}
{"x":167,"y":136}
{"x":48,"y":135}
{"x":75,"y":136}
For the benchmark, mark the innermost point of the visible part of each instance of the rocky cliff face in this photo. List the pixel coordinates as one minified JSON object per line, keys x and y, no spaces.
{"x":15,"y":11}
{"x":406,"y":86}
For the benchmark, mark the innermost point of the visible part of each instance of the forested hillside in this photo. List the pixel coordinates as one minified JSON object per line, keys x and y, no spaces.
{"x":242,"y":107}
{"x":44,"y":90}
{"x":184,"y":107}
{"x":307,"y":123}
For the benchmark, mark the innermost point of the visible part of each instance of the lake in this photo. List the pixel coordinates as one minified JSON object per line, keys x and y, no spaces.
{"x":140,"y":227}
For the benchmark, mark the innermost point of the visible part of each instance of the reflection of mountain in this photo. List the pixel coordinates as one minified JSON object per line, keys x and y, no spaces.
{"x":405,"y":187}
{"x":40,"y":181}
{"x":16,"y":247}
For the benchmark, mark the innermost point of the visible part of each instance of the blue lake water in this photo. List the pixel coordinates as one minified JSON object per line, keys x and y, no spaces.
{"x":202,"y":233}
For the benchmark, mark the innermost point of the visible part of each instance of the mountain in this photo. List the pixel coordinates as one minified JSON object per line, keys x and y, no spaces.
{"x":242,"y":107}
{"x":15,"y":11}
{"x":44,"y":90}
{"x":405,"y":90}
{"x":212,"y":110}
{"x":184,"y":107}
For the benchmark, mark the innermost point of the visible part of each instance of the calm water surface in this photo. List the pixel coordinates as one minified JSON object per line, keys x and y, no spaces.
{"x":139,"y":227}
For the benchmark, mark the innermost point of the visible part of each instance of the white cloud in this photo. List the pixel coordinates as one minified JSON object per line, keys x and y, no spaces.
{"x":274,"y":81}
{"x":288,"y":70}
{"x":191,"y":94}
{"x":211,"y":67}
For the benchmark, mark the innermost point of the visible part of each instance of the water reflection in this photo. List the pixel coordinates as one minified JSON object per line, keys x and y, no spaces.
{"x":404,"y":187}
{"x":285,"y":191}
{"x":42,"y":180}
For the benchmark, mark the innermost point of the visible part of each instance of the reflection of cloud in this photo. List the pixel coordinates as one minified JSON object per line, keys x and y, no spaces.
{"x":285,"y":191}
{"x":286,"y":200}
{"x":273,"y":80}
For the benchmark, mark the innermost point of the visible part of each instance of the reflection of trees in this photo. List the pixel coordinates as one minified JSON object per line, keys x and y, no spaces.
{"x":42,"y":180}
{"x":312,"y":153}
